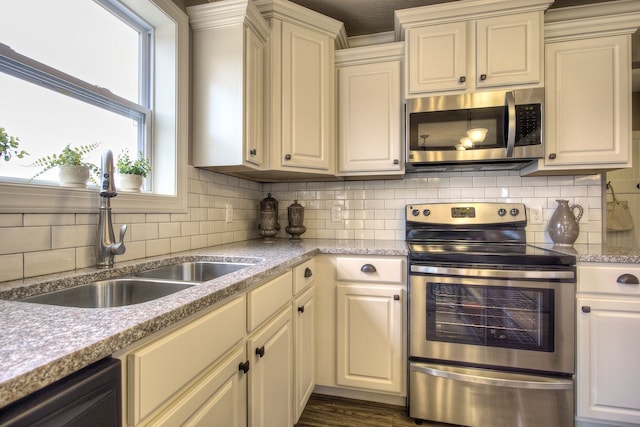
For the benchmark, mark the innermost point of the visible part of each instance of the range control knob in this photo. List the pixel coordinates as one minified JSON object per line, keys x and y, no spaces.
{"x":514,"y":211}
{"x":426,"y":212}
{"x":415,"y":212}
{"x":502,"y":212}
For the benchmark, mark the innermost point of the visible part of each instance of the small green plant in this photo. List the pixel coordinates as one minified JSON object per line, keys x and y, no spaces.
{"x":125,"y":165}
{"x":9,"y":146}
{"x":69,"y":156}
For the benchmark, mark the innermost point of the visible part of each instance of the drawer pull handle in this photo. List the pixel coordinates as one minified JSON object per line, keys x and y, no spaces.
{"x":244,"y":366}
{"x":368,"y":268}
{"x":462,"y":79}
{"x":586,"y":309}
{"x":396,"y":297}
{"x":301,"y":309}
{"x":628,"y":279}
{"x":483,"y":77}
{"x":260,"y":351}
{"x":308,"y":272}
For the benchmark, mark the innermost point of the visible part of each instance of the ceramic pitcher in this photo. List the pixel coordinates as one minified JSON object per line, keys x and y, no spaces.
{"x":563,"y":225}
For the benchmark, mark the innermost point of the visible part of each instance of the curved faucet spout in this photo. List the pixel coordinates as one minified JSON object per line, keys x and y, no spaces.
{"x":106,"y":247}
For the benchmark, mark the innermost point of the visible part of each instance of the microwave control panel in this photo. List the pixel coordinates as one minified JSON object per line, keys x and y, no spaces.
{"x":528,"y":124}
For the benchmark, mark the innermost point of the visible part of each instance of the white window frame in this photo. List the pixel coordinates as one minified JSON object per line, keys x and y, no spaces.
{"x":170,"y":131}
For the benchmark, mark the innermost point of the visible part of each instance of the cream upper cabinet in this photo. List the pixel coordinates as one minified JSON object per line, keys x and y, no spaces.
{"x":229,"y":70}
{"x":302,"y":83}
{"x":588,"y":89}
{"x":607,"y":370}
{"x":471,"y":45}
{"x":370,"y":110}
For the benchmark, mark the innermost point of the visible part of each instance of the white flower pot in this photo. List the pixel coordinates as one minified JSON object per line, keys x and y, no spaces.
{"x":129,"y":183}
{"x":73,"y":176}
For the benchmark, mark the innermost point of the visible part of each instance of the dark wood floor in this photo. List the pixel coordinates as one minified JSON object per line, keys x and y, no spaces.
{"x":328,"y":411}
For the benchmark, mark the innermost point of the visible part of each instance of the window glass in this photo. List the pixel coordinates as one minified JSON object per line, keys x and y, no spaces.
{"x":54,"y":91}
{"x":80,"y":38}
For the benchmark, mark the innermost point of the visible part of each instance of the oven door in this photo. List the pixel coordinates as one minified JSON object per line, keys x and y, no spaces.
{"x":493,"y":318}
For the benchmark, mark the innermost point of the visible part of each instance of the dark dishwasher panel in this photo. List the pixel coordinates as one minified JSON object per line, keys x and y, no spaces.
{"x":90,"y":397}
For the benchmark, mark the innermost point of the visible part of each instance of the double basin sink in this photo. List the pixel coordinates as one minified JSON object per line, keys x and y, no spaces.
{"x":139,"y":287}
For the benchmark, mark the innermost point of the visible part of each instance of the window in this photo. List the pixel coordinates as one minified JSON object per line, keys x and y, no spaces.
{"x":112,"y":72}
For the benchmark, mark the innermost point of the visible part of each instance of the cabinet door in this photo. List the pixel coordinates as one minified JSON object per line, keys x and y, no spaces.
{"x":608,"y":372}
{"x":254,"y":70}
{"x":270,"y":377}
{"x":509,"y":50}
{"x":369,"y":118}
{"x":304,"y":337}
{"x":219,"y":399}
{"x":307,"y":98}
{"x":369,"y":337}
{"x":437,"y":58}
{"x":587,"y":123}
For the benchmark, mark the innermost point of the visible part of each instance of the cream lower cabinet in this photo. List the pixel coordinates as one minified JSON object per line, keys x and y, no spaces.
{"x":234,"y":366}
{"x":370,"y":110}
{"x":304,"y":336}
{"x":361,"y":342}
{"x":608,"y":345}
{"x":271,"y":374}
{"x":191,"y":373}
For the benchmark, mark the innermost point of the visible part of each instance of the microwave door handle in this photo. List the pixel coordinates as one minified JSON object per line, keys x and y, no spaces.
{"x":511,"y":123}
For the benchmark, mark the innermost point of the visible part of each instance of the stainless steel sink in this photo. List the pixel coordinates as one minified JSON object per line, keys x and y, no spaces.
{"x":197,"y":271}
{"x":110,"y":293}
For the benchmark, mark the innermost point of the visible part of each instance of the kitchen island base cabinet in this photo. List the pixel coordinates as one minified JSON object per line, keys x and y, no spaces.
{"x":608,"y":345}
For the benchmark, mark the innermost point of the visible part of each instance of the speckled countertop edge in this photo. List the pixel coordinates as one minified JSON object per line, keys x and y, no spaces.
{"x":43,"y":343}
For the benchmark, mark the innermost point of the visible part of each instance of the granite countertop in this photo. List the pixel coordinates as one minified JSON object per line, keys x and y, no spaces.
{"x":40,"y":344}
{"x":43,"y":343}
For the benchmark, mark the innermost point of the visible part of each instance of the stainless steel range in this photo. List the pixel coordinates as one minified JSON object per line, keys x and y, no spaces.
{"x":491,"y":330}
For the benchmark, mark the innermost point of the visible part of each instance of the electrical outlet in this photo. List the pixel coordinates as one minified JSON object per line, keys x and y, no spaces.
{"x":229,"y":212}
{"x":336,"y":213}
{"x":535,"y":215}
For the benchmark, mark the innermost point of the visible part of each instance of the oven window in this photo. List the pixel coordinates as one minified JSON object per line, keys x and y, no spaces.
{"x":495,"y":316}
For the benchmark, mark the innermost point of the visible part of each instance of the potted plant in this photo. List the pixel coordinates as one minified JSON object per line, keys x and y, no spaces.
{"x":73,"y":170}
{"x":9,"y":146}
{"x":131,"y":173}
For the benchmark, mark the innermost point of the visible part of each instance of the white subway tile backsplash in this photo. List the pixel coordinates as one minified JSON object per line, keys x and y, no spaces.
{"x":34,"y":220}
{"x":72,"y":236}
{"x":48,"y":262}
{"x":24,"y":239}
{"x":11,"y":220}
{"x":12,"y":267}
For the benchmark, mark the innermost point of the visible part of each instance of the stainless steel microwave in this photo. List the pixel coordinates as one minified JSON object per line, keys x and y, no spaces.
{"x":483,"y":130}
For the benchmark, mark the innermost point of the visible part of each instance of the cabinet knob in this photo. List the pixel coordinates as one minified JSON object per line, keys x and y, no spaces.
{"x":301,"y":309}
{"x":253,"y":151}
{"x":368,"y":268}
{"x":396,"y":297}
{"x":260,"y":351}
{"x":628,"y":279}
{"x":552,"y":156}
{"x":308,"y":272}
{"x":638,"y":186}
{"x":586,"y":309}
{"x":244,"y":366}
{"x":483,"y":77}
{"x":287,"y":157}
{"x":396,"y":161}
{"x":462,"y":79}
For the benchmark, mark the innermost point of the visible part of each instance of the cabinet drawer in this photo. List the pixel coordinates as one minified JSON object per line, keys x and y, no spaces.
{"x":162,"y":368}
{"x":264,"y":301}
{"x":303,"y":276}
{"x":609,"y":278}
{"x":368,"y":269}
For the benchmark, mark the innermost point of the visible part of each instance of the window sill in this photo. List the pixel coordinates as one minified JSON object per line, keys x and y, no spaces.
{"x":28,"y":198}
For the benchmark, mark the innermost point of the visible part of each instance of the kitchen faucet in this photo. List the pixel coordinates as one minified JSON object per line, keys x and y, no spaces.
{"x":106,"y":247}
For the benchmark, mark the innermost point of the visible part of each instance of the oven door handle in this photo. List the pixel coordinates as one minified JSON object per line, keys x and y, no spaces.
{"x":559,"y":384}
{"x":487,"y":272}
